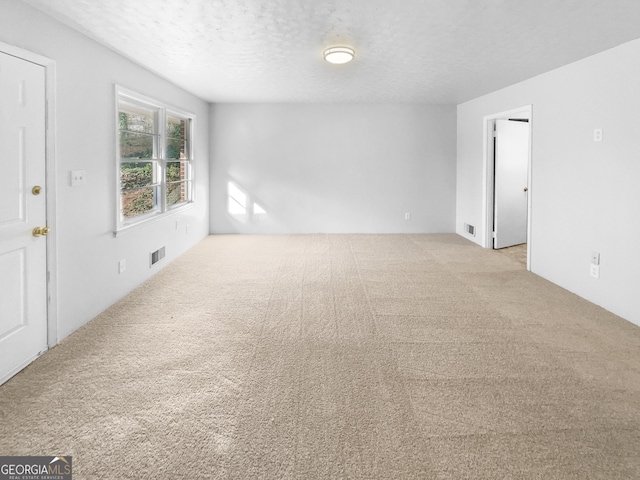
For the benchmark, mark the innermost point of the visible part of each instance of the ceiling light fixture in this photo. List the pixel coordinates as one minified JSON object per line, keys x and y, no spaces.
{"x":339,"y":55}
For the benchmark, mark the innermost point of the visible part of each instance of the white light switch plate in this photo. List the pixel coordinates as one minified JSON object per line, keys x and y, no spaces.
{"x":78,"y":177}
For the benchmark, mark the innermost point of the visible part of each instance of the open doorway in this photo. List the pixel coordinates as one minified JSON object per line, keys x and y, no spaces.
{"x":507,"y":185}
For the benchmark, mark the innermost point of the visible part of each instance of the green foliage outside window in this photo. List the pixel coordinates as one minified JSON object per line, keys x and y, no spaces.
{"x":135,"y":175}
{"x":136,"y":199}
{"x":176,"y":137}
{"x":173,"y":172}
{"x":137,"y":202}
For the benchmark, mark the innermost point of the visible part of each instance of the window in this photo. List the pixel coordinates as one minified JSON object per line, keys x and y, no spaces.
{"x":155,"y":155}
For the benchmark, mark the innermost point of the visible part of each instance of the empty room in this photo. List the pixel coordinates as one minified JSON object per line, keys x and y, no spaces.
{"x":333,"y":239}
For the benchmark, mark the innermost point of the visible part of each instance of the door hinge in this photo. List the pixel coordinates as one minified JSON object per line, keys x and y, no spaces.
{"x":493,"y":235}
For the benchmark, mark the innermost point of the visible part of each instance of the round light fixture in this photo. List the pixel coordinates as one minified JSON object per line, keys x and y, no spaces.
{"x":339,"y":55}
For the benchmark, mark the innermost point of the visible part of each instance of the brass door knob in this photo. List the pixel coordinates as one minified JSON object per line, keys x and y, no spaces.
{"x":41,"y":231}
{"x":36,"y":190}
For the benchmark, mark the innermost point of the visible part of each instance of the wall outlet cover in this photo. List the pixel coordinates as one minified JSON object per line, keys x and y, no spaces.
{"x":597,"y":135}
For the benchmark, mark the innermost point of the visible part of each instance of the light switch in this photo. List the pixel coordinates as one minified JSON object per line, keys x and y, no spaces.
{"x":78,"y":177}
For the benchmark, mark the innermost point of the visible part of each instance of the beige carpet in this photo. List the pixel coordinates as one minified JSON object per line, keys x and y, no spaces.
{"x":338,"y":356}
{"x":517,"y":253}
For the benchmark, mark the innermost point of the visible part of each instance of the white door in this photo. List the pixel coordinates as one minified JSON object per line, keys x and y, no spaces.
{"x":510,"y":183}
{"x":23,"y":256}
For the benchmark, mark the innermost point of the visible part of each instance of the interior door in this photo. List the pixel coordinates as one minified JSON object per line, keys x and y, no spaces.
{"x":510,"y":183}
{"x":23,"y":256}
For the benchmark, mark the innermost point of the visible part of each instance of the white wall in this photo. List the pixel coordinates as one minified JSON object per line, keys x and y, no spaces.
{"x":88,"y":253}
{"x":585,"y":195}
{"x":335,"y":168}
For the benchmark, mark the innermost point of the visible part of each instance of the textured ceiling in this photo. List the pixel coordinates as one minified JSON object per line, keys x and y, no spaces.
{"x":430,"y":51}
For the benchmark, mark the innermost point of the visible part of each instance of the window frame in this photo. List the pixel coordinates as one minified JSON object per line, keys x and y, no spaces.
{"x":159,"y":161}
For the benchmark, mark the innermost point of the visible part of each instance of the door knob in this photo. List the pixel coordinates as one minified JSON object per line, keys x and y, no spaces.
{"x":526,"y":189}
{"x":41,"y":231}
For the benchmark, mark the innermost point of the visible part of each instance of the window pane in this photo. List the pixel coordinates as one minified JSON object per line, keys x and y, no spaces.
{"x":176,"y":148}
{"x":136,"y":174}
{"x":138,"y":202}
{"x":177,"y":193}
{"x":136,"y":145}
{"x":177,"y":137}
{"x":177,"y":171}
{"x":135,"y":118}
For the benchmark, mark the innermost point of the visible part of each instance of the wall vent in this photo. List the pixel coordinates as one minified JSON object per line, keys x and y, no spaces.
{"x":470,"y":229}
{"x":155,"y":257}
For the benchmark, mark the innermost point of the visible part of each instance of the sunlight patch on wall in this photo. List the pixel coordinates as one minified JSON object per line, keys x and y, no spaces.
{"x":236,"y":201}
{"x":241,"y":207}
{"x":258,"y":212}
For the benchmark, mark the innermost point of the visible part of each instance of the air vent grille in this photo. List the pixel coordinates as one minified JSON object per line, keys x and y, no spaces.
{"x":156,"y":256}
{"x":470,"y":229}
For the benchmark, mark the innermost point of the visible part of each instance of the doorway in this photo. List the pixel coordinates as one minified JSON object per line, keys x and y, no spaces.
{"x":507,"y":183}
{"x":26,"y":213}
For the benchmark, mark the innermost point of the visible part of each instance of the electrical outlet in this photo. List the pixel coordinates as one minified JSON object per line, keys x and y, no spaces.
{"x":122,"y":266}
{"x":597,"y":135}
{"x":595,"y":258}
{"x":78,"y":177}
{"x":595,"y":271}
{"x":407,"y":216}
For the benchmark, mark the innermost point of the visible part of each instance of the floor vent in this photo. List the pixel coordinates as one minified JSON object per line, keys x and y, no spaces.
{"x":470,"y":229}
{"x":156,"y":256}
